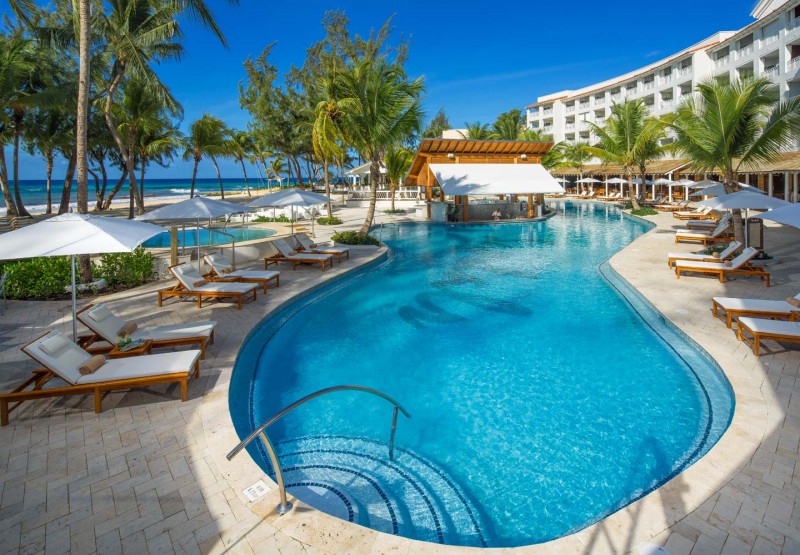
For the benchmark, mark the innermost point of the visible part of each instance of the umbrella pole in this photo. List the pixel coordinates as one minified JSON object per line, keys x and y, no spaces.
{"x":74,"y":300}
{"x":197,"y":236}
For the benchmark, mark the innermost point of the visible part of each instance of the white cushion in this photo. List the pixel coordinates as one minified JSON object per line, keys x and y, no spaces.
{"x":54,"y":344}
{"x":772,"y":327}
{"x":175,"y":331}
{"x":143,"y":366}
{"x":99,"y":313}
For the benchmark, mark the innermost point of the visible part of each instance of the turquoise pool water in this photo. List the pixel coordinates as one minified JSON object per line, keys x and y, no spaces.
{"x":188,"y":237}
{"x":544,"y":395}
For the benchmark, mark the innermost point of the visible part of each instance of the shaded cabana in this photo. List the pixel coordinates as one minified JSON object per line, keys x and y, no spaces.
{"x":463,"y":168}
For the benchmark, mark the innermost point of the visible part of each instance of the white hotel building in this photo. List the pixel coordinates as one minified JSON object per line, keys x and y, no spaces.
{"x":769,"y":46}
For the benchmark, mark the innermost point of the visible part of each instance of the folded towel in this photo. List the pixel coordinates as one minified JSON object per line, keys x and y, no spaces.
{"x":127,"y":329}
{"x":92,"y":365}
{"x":199,"y":283}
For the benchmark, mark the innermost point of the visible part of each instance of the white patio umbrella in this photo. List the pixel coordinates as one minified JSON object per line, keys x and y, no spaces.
{"x":618,"y":180}
{"x":195,"y":208}
{"x":787,"y":215}
{"x":588,"y":180}
{"x":744,"y":200}
{"x":704,"y":183}
{"x":72,"y":235}
{"x":291,"y":197}
{"x":719,"y":189}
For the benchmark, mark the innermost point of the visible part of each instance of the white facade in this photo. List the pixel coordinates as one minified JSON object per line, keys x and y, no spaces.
{"x":769,"y":46}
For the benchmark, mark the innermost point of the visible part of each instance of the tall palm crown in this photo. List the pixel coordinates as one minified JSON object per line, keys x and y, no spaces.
{"x":398,"y":163}
{"x":208,"y":136}
{"x":477,"y":131}
{"x":326,"y":134}
{"x":629,"y":138}
{"x":382,"y":109}
{"x":726,"y":127}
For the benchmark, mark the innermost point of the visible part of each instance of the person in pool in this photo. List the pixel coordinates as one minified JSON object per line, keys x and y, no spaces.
{"x":496,"y":214}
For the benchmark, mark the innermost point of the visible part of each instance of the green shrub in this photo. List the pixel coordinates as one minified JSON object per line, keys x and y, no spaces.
{"x":644,"y":212}
{"x":333,"y":220}
{"x":38,"y":278}
{"x":395,"y":211}
{"x":354,"y":238}
{"x":264,"y":219}
{"x":126,"y":269}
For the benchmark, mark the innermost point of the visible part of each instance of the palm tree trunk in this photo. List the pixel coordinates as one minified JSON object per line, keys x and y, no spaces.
{"x":299,"y":172}
{"x":392,"y":187}
{"x":100,"y":195}
{"x":194,"y":176}
{"x":244,"y":171}
{"x":123,"y":150}
{"x":327,"y":186}
{"x":142,"y":167}
{"x":11,"y":207}
{"x":219,"y":178}
{"x":49,"y":183}
{"x":632,"y":191}
{"x":18,"y":114}
{"x":731,"y":186}
{"x":374,"y":175}
{"x":82,"y":120}
{"x":67,"y":190}
{"x":115,"y":190}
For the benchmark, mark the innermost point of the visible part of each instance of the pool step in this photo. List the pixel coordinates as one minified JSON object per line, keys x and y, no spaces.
{"x":353,"y":479}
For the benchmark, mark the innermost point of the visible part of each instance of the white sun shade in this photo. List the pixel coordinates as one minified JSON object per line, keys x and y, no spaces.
{"x":494,"y":179}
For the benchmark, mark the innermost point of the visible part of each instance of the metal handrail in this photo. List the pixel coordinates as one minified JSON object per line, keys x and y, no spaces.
{"x":284,"y":506}
{"x":231,"y":237}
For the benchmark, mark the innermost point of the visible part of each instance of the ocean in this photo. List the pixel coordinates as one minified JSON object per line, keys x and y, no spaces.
{"x":34,"y":192}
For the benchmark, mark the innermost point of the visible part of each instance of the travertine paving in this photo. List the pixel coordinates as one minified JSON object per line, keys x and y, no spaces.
{"x":149,"y":474}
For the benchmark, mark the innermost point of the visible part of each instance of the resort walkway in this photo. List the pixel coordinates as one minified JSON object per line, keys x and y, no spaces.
{"x":149,"y":475}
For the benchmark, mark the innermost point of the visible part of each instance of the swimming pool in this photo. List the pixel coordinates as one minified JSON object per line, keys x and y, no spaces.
{"x":188,"y":237}
{"x":544,"y":394}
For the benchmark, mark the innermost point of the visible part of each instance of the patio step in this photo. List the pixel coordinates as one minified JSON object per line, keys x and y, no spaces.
{"x":352,"y":478}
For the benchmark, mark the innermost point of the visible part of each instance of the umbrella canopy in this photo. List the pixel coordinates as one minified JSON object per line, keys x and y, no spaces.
{"x":743,"y":200}
{"x":704,"y":183}
{"x":561,"y":180}
{"x":195,"y":208}
{"x":291,"y":197}
{"x":72,"y":235}
{"x":662,"y":181}
{"x":638,"y":180}
{"x":719,"y":189}
{"x":788,"y":215}
{"x":617,"y":180}
{"x":588,"y":180}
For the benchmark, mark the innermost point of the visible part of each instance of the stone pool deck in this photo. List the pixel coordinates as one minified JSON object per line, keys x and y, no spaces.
{"x":149,"y":474}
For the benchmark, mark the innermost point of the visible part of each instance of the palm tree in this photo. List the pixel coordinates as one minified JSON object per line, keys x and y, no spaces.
{"x":576,"y":156}
{"x":382,"y":109}
{"x":158,"y":142}
{"x":730,"y":126}
{"x":208,"y":136}
{"x":535,"y":135}
{"x":47,"y":131}
{"x":477,"y":131}
{"x":628,"y":139}
{"x":15,"y":67}
{"x":277,"y":167}
{"x":242,"y":144}
{"x":508,"y":125}
{"x":398,"y":163}
{"x":326,"y":134}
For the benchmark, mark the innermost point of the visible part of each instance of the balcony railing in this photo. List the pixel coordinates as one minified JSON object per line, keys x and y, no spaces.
{"x":744,"y":51}
{"x":683,"y":72}
{"x":771,"y":71}
{"x":570,"y":109}
{"x":547,"y":112}
{"x":616,"y":96}
{"x":793,"y":64}
{"x":723,"y":61}
{"x":771,"y":38}
{"x":648,"y":85}
{"x":599,"y":101}
{"x":667,"y":78}
{"x":569,"y":126}
{"x":667,"y":103}
{"x":584,"y":106}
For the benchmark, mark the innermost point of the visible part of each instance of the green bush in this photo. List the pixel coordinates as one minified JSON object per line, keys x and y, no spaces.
{"x":126,"y":269}
{"x":324,"y":220}
{"x":38,"y":278}
{"x":264,"y":219}
{"x":395,"y":211}
{"x":354,"y":238}
{"x":644,"y":212}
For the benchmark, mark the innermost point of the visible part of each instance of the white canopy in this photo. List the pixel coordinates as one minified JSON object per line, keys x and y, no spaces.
{"x":290,"y":197}
{"x":363,"y":169}
{"x":719,"y":189}
{"x":195,"y":208}
{"x":788,"y":215}
{"x":495,"y":179}
{"x":743,"y":200}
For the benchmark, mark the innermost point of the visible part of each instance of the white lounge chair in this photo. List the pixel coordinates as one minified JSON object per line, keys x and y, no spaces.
{"x":704,"y":226}
{"x":305,"y":244}
{"x":62,"y":358}
{"x":755,"y":330}
{"x":723,"y":255}
{"x":106,"y":326}
{"x":757,"y":308}
{"x":720,"y":233}
{"x":222,"y":270}
{"x":192,"y":284}
{"x":739,"y":265}
{"x":288,"y":254}
{"x":699,"y":213}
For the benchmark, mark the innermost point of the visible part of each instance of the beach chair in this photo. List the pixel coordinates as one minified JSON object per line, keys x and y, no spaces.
{"x":758,"y":308}
{"x":703,"y":226}
{"x":718,"y":234}
{"x":701,"y":213}
{"x":192,"y":284}
{"x":305,"y":244}
{"x":590,"y":195}
{"x":61,"y":358}
{"x":723,"y":255}
{"x":105,"y":327}
{"x":285,"y":253}
{"x":738,"y":266}
{"x":222,"y":270}
{"x":755,"y":330}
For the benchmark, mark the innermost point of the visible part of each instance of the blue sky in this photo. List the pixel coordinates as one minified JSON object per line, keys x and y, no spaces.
{"x":477,"y":58}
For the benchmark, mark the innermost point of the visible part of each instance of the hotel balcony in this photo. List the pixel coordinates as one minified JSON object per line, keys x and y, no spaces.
{"x":616,"y":96}
{"x":771,"y":38}
{"x":667,"y":103}
{"x":570,"y":108}
{"x":683,"y":72}
{"x":793,"y":64}
{"x":648,"y":85}
{"x":547,"y":112}
{"x":599,"y":101}
{"x":569,"y":127}
{"x":719,"y":62}
{"x":771,"y":72}
{"x":742,"y":52}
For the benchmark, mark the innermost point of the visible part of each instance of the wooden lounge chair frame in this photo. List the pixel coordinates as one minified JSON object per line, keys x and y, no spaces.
{"x":746,"y":269}
{"x":754,"y":341}
{"x":731,"y":313}
{"x":322,"y":250}
{"x":87,"y":342}
{"x":11,"y":401}
{"x":263,"y":282}
{"x":278,"y":257}
{"x":178,"y":290}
